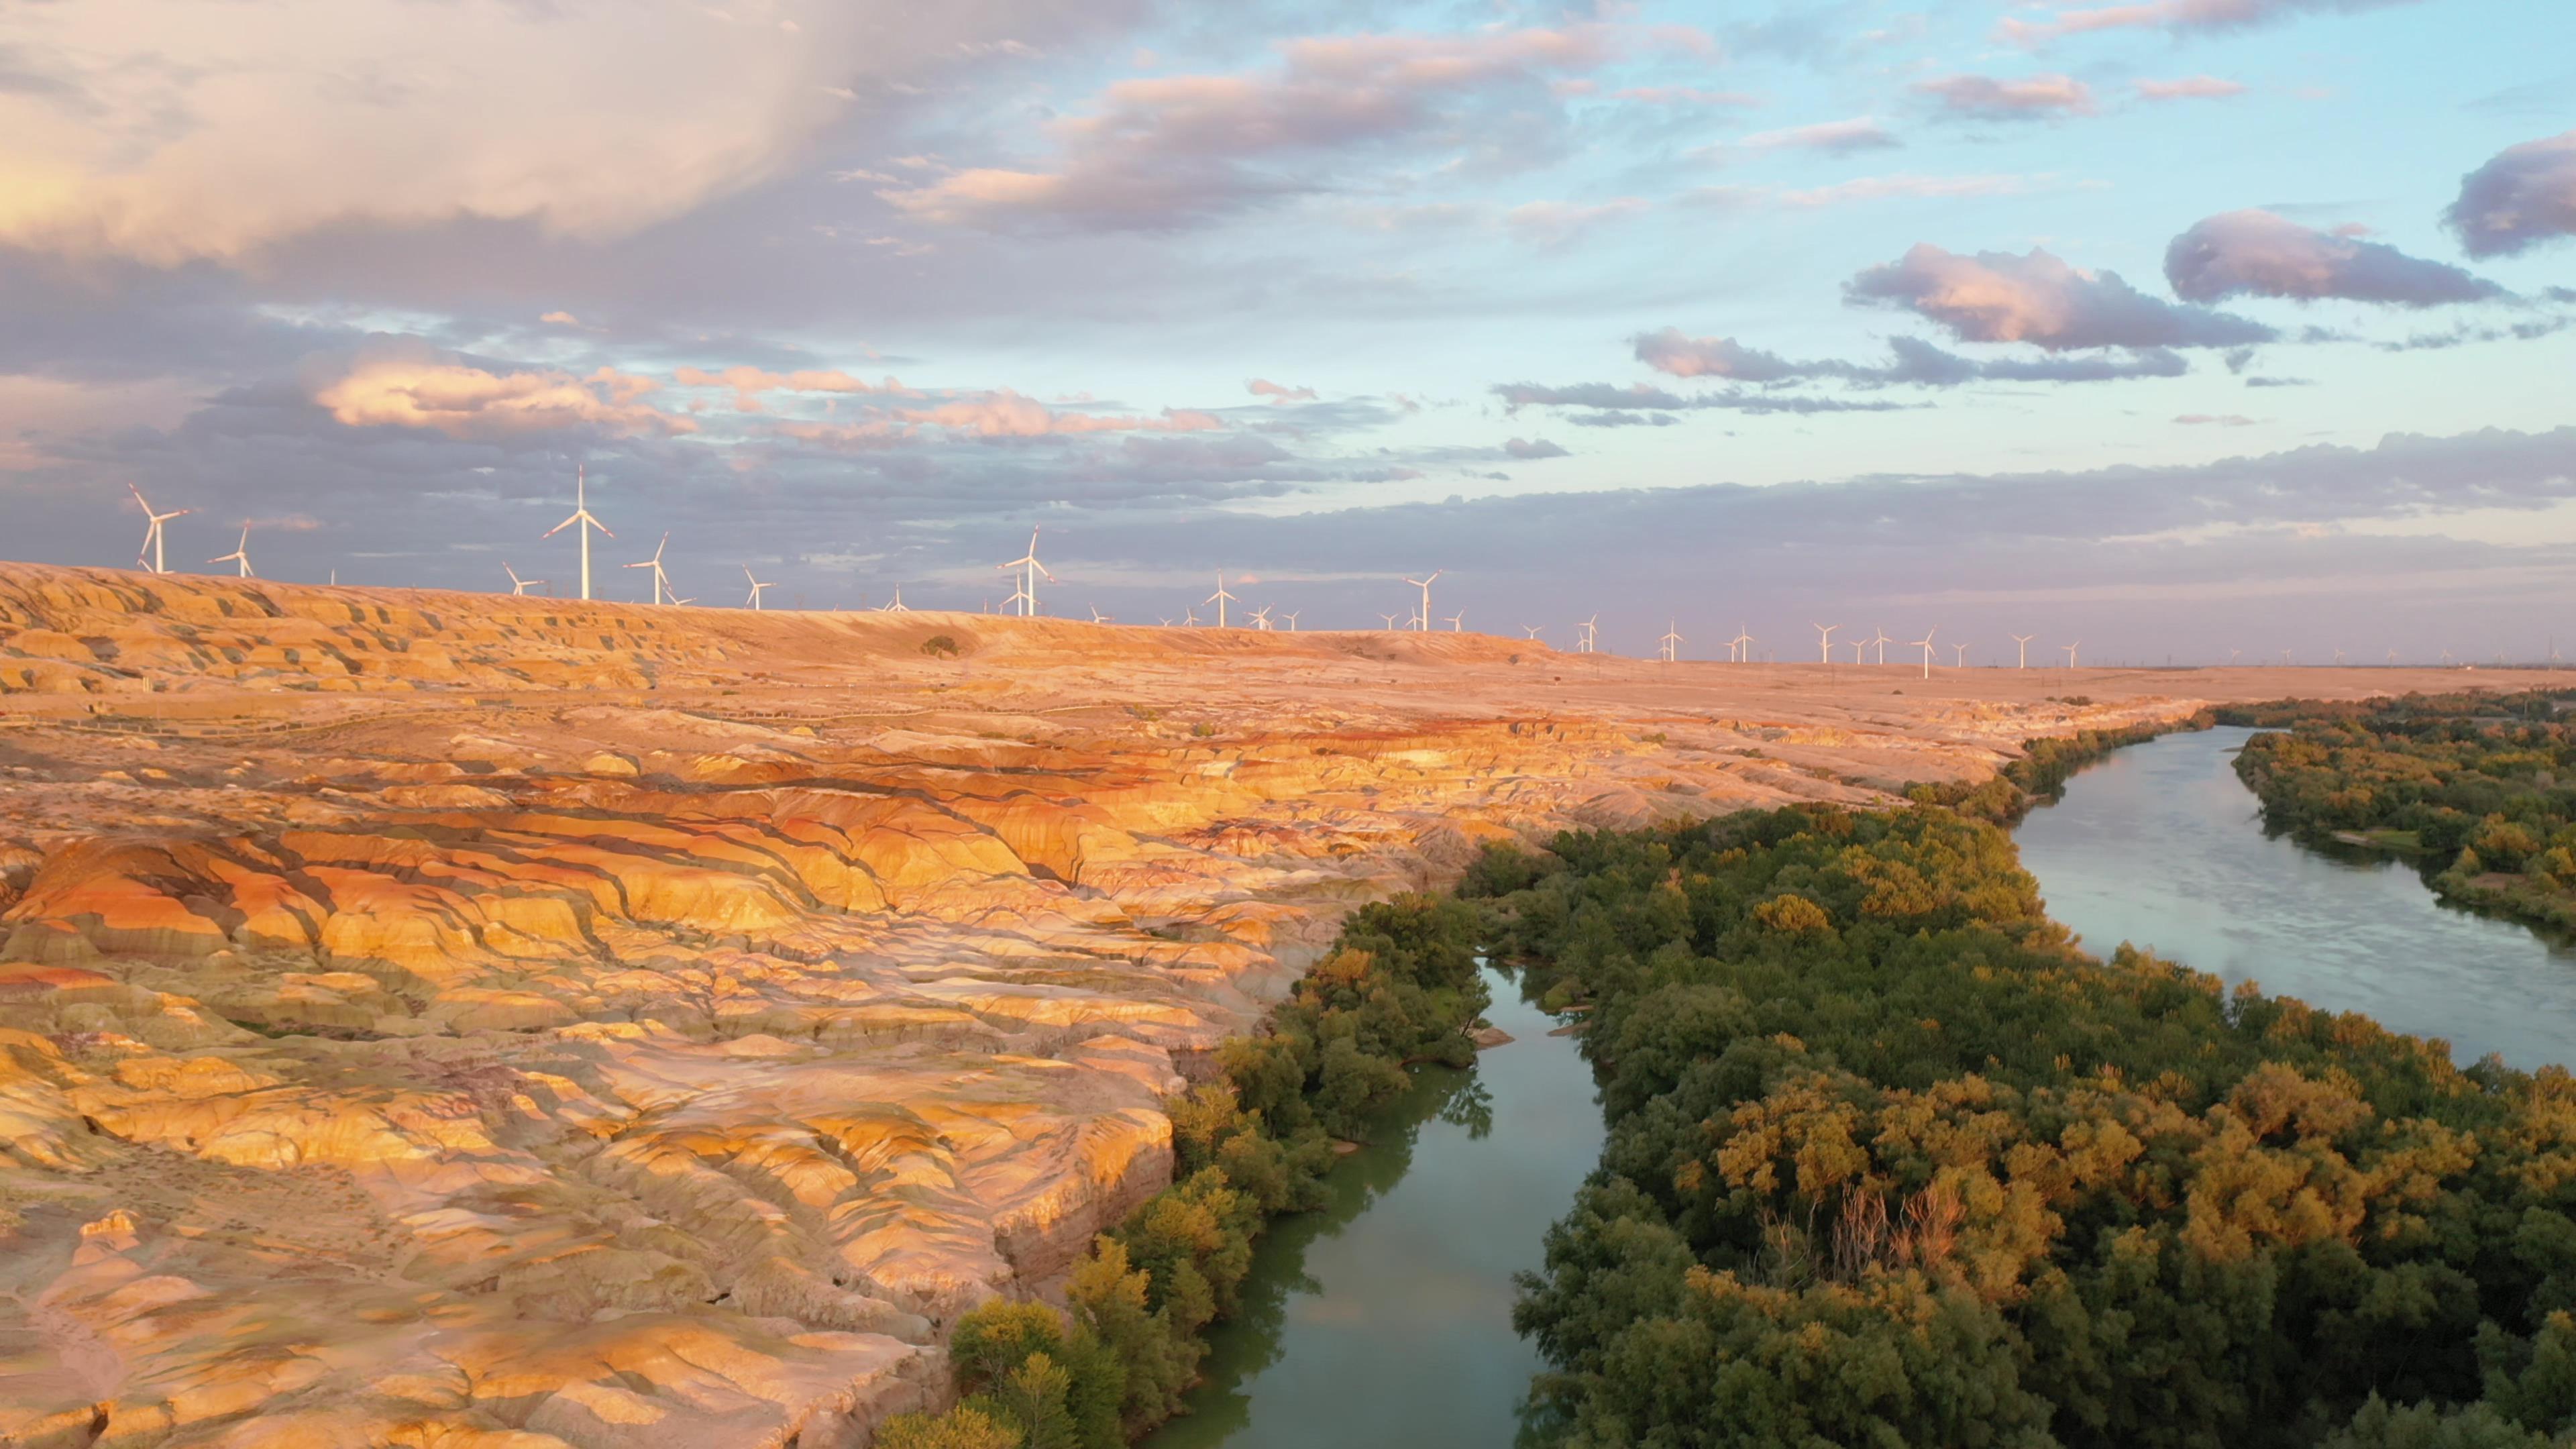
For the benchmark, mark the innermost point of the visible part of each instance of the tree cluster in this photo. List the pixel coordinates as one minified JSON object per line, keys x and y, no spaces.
{"x":1891,"y":1163}
{"x":2482,"y":788}
{"x":1401,"y":986}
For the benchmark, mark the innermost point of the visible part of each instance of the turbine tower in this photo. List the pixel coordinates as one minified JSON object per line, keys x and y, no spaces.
{"x":1025,"y":585}
{"x":1825,"y":642}
{"x":752,"y":601}
{"x":581,"y":516}
{"x":2070,"y":653}
{"x":1389,"y":618}
{"x":1925,"y":644}
{"x":1530,"y":631}
{"x":1292,"y":619}
{"x":1220,"y":598}
{"x":896,"y":604}
{"x":239,"y":555}
{"x":1858,"y":645}
{"x":1882,"y":641}
{"x":1671,"y":641}
{"x":661,"y":580}
{"x":152,"y":531}
{"x":1961,"y":656}
{"x":1591,"y":634}
{"x":519,"y":585}
{"x":1457,"y":621}
{"x":2024,"y":641}
{"x":1423,"y":619}
{"x":1261,"y":618}
{"x":1741,"y":646}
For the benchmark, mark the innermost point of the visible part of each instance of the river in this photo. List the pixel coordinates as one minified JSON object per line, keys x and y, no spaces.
{"x":1386,"y":1318}
{"x":2161,"y":845}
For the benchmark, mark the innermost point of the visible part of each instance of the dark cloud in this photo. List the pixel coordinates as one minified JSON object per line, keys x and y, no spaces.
{"x":2524,"y":196}
{"x":2037,"y":298}
{"x":1641,"y":397}
{"x":1531,"y":449}
{"x":1915,"y":362}
{"x":2257,"y":253}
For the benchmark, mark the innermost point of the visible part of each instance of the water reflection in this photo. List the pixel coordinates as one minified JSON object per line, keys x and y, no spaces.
{"x":2163,"y":846}
{"x":1385,"y":1317}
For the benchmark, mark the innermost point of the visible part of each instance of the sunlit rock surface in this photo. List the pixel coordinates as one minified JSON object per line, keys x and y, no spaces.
{"x":482,"y":1023}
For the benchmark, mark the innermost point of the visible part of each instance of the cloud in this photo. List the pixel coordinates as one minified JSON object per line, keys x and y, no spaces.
{"x":2260,"y":254}
{"x":2188,"y":88}
{"x":2032,"y":98}
{"x":1532,"y":449}
{"x":1915,"y":362}
{"x":1643,"y":397}
{"x":1161,"y":152}
{"x":167,"y":129}
{"x":1007,"y":414}
{"x":2179,"y":16}
{"x":748,"y":383}
{"x":1684,"y":96}
{"x":2037,"y":298}
{"x":1898,"y":187}
{"x":1278,"y":392}
{"x":1552,"y":224}
{"x":2524,"y":196}
{"x":2216,"y":420}
{"x":412,"y":387}
{"x":1834,"y":138}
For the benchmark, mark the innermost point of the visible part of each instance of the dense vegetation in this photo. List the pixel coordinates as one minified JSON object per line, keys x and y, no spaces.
{"x":1400,"y":986}
{"x":2482,"y":787}
{"x":1891,"y":1164}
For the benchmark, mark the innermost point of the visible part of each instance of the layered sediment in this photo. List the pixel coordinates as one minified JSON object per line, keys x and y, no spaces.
{"x":448,"y":1020}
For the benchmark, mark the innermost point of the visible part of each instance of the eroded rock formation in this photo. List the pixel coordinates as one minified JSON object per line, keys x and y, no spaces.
{"x":454,"y":1021}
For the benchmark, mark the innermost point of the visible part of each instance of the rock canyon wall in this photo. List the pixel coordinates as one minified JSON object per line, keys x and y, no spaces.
{"x":461,"y":1021}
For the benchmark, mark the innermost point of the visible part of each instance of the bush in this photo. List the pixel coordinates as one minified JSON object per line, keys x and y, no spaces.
{"x":941,"y":646}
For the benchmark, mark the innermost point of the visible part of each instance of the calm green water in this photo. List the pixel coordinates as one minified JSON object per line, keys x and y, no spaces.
{"x":1386,"y":1319}
{"x":2161,"y":845}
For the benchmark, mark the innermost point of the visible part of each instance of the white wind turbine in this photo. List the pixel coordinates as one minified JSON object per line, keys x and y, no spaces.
{"x":1220,"y":598}
{"x":1925,"y":644}
{"x":1389,"y":618}
{"x":1591,"y":634}
{"x":2070,"y":653}
{"x":518,"y":585}
{"x":2233,"y":655}
{"x":1098,"y":617}
{"x":1261,"y":618}
{"x":661,"y":580}
{"x":1825,"y":642}
{"x":240,"y":554}
{"x":1457,"y":621}
{"x":1291,"y":617}
{"x":2024,"y":641}
{"x":1025,"y":583}
{"x":1882,"y":641}
{"x":581,"y":516}
{"x":752,"y":600}
{"x":1741,"y":646}
{"x":1531,"y":632}
{"x":1960,"y":656}
{"x":1423,"y":619}
{"x":1672,"y":641}
{"x":1857,"y":646}
{"x":152,"y":530}
{"x":1190,"y":618}
{"x":896,"y":604}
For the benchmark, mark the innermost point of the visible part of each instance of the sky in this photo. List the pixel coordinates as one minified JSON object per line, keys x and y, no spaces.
{"x":2177,"y":329}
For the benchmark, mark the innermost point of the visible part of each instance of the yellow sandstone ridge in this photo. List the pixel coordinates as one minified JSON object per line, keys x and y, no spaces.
{"x":468,"y":1022}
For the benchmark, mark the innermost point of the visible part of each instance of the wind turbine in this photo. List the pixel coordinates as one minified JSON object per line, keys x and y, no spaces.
{"x":1389,"y":618}
{"x":2233,"y":655}
{"x":1882,"y":641}
{"x":896,"y":604}
{"x":1261,"y":618}
{"x":1741,"y":646}
{"x":581,"y":516}
{"x":1292,"y":620}
{"x":1025,"y":586}
{"x":1671,"y":641}
{"x":1825,"y":642}
{"x":1098,"y":617}
{"x":2070,"y":653}
{"x":1591,"y":634}
{"x":1457,"y":621}
{"x":1925,"y":644}
{"x":519,"y":585}
{"x":1530,"y":631}
{"x":1189,"y":618}
{"x":152,"y":530}
{"x":2392,"y":656}
{"x":2024,"y":641}
{"x":2338,"y":656}
{"x":1961,"y":657}
{"x":661,"y":580}
{"x":1423,"y":619}
{"x":1857,"y":645}
{"x":239,"y":555}
{"x":752,"y":601}
{"x":1220,"y":598}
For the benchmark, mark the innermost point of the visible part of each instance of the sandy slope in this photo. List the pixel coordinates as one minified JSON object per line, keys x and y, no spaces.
{"x":452,"y":1020}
